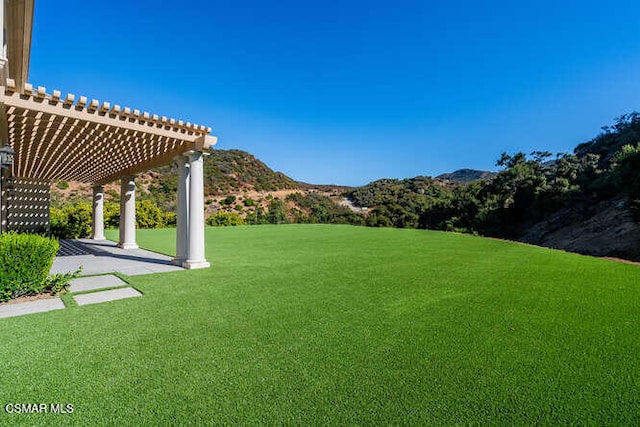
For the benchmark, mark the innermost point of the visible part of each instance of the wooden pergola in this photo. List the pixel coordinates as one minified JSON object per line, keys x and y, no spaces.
{"x":94,"y":142}
{"x":77,"y":139}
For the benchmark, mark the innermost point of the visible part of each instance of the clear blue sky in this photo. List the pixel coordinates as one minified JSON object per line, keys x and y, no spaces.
{"x":346,"y":92}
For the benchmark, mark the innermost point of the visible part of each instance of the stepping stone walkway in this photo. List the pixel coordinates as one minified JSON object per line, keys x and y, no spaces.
{"x":104,"y":296}
{"x":82,"y":284}
{"x":101,"y":282}
{"x":38,"y":306}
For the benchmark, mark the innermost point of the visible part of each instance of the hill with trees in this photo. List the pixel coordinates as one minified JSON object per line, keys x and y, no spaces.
{"x":466,"y":175}
{"x":587,"y":201}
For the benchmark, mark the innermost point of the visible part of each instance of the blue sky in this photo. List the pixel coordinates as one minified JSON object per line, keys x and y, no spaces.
{"x":346,"y":92}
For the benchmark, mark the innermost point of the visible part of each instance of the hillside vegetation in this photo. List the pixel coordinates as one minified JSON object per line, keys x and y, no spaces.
{"x":538,"y":197}
{"x":466,"y":175}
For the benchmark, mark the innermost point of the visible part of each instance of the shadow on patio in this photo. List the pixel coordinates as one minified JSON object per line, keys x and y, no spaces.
{"x":102,"y":256}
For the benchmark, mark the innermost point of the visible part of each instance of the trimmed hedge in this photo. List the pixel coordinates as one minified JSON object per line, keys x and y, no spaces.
{"x":25,"y":261}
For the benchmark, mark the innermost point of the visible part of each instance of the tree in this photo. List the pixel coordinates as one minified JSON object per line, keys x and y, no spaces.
{"x":277,"y":213}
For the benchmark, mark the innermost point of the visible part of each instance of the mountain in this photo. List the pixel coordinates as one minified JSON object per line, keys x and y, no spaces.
{"x":236,"y":182}
{"x":467,"y":175}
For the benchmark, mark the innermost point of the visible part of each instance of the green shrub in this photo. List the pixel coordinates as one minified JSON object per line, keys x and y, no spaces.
{"x":249,"y":202}
{"x":228,"y":200}
{"x":627,"y":176}
{"x":277,"y":212}
{"x":149,"y":215}
{"x":62,"y":184}
{"x":74,"y":221}
{"x":170,"y":219}
{"x":71,"y":222}
{"x":25,"y":261}
{"x":111,"y":215}
{"x":225,"y":219}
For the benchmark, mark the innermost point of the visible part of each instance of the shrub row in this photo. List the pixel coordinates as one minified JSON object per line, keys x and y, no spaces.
{"x":74,"y":221}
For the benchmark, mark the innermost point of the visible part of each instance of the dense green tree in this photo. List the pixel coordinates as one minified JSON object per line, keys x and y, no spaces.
{"x":277,"y":213}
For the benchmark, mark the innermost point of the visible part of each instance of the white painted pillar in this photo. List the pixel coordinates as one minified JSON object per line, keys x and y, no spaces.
{"x":182,"y":212}
{"x":97,"y":220}
{"x":127,"y":213}
{"x":3,"y":41}
{"x":195,"y":256}
{"x":3,"y":46}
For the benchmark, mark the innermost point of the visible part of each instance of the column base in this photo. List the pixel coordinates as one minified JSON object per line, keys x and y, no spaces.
{"x":192,"y":265}
{"x":98,"y":238}
{"x":178,"y":261}
{"x":127,"y":246}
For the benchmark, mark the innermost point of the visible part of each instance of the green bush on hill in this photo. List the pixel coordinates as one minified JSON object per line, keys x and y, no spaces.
{"x":627,"y":175}
{"x":228,"y":200}
{"x":224,"y":219}
{"x":277,"y":212}
{"x":322,"y":210}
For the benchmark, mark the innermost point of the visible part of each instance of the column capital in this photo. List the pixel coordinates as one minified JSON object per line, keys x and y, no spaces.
{"x":192,"y":155}
{"x":181,"y":160}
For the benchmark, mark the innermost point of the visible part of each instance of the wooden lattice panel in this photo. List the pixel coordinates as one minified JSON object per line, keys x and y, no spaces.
{"x":27,"y":210}
{"x":92,"y":142}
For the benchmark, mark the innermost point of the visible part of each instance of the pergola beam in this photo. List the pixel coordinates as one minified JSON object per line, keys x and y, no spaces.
{"x":83,"y":140}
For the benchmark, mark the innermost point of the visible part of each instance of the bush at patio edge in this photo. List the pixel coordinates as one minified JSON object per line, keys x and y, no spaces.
{"x":25,"y":261}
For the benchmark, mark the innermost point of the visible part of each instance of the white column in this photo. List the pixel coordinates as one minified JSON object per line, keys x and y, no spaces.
{"x":3,"y":41}
{"x":97,"y":220}
{"x":3,"y":46}
{"x":182,"y":212}
{"x":195,"y":256}
{"x":127,"y":213}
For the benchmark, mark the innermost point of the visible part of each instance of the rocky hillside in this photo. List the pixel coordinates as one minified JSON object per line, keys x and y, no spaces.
{"x":235,"y":182}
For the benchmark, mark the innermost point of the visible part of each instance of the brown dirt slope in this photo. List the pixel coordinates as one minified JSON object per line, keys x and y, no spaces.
{"x":605,"y":229}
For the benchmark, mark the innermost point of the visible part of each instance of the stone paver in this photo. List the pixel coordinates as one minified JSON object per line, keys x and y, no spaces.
{"x":29,"y":307}
{"x":83,"y":284}
{"x":104,"y":296}
{"x":102,"y":256}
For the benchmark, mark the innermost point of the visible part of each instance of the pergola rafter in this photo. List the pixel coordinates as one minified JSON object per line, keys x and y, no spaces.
{"x":61,"y":138}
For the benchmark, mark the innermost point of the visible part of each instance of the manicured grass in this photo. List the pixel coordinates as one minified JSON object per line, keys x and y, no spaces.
{"x":341,"y":325}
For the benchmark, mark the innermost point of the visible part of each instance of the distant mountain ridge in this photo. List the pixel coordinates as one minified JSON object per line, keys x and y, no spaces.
{"x":467,"y":175}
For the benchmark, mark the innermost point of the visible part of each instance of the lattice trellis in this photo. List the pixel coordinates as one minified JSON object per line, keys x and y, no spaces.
{"x":27,"y":210}
{"x":92,"y":142}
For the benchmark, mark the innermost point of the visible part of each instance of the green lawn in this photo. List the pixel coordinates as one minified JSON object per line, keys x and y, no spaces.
{"x":317,"y":324}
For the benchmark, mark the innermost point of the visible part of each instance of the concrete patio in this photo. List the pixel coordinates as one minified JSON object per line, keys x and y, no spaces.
{"x":103,"y":256}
